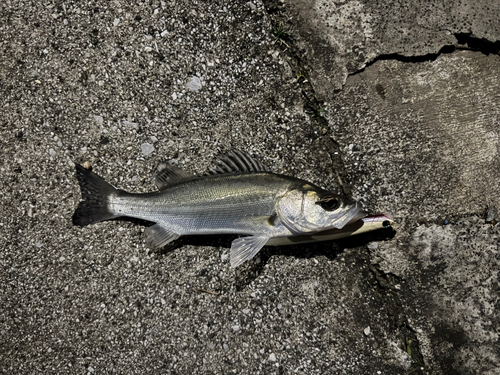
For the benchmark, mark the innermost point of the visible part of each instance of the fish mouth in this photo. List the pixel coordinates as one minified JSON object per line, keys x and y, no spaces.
{"x":360,"y":214}
{"x":354,"y":214}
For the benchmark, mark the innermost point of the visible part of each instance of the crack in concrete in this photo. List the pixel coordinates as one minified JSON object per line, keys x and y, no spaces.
{"x":465,"y":41}
{"x":395,"y":310}
{"x":312,"y":105}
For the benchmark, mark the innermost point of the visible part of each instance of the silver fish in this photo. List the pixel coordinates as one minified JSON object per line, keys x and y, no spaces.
{"x":241,"y":196}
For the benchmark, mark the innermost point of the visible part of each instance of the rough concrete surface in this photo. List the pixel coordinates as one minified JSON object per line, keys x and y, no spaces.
{"x":343,"y":36}
{"x":126,"y":86}
{"x":422,"y":139}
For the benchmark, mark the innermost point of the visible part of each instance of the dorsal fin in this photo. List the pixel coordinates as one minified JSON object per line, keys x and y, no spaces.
{"x":236,"y":161}
{"x":169,"y":175}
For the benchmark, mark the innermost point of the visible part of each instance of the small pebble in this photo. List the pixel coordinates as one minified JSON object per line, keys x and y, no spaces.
{"x":194,"y":84}
{"x":272,"y":357}
{"x":116,"y":22}
{"x":52,"y":152}
{"x":132,"y":124}
{"x":367,"y":331}
{"x":98,"y":119}
{"x":491,"y":213}
{"x":147,"y":149}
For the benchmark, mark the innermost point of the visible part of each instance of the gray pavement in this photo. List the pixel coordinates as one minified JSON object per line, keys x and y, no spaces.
{"x":353,"y":96}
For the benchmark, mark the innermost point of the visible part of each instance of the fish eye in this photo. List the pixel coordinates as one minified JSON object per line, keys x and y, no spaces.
{"x":329,"y":203}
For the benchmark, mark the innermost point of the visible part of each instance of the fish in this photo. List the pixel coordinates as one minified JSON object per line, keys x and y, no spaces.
{"x":239,"y":195}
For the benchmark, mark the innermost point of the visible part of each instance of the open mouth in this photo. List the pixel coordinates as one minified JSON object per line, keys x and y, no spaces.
{"x":353,"y":215}
{"x":360,"y":214}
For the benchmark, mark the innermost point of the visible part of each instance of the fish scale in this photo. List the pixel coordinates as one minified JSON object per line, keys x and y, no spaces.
{"x":217,"y":208}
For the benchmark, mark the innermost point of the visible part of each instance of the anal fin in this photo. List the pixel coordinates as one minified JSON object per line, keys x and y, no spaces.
{"x":245,"y":248}
{"x":158,"y":236}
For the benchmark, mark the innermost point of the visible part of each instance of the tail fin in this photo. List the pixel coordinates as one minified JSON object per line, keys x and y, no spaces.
{"x":95,"y":194}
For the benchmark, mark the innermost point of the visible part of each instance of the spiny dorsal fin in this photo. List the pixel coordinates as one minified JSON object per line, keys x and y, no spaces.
{"x":169,"y":175}
{"x":236,"y":161}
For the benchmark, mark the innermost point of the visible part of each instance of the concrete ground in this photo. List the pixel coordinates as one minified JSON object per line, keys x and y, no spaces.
{"x":396,"y":104}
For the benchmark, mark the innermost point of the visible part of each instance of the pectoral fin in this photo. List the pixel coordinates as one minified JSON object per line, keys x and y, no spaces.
{"x":245,"y":248}
{"x":158,"y":236}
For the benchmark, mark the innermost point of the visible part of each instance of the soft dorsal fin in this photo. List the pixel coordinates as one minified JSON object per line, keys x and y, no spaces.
{"x":169,"y":175}
{"x":236,"y":161}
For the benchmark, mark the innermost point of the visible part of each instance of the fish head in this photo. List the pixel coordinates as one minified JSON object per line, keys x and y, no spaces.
{"x":311,"y":209}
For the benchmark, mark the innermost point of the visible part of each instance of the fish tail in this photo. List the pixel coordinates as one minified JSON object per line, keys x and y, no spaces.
{"x":95,"y":197}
